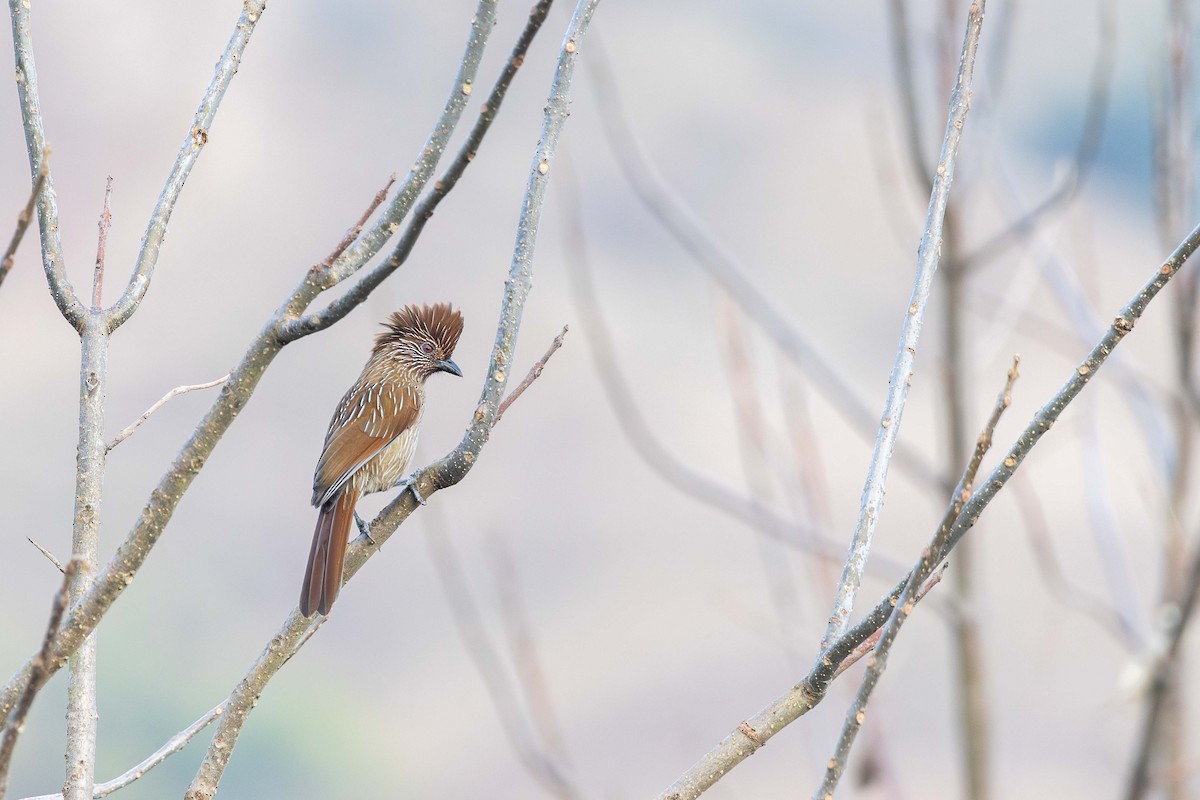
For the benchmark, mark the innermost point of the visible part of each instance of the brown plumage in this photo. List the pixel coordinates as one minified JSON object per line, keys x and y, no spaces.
{"x":373,"y":434}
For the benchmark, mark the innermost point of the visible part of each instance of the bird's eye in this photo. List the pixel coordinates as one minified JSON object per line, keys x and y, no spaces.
{"x":426,"y":348}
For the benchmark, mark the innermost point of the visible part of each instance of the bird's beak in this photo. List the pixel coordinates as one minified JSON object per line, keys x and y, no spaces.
{"x":446,"y":365}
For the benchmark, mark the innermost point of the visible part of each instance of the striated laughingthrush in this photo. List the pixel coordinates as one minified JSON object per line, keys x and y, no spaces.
{"x":373,"y":434}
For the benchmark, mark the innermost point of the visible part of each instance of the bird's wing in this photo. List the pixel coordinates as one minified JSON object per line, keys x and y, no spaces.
{"x":369,"y":417}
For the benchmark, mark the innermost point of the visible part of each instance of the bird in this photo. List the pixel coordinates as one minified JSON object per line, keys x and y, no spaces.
{"x":373,"y":434}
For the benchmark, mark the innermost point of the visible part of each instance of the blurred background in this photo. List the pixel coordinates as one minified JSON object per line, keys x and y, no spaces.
{"x":658,"y":621}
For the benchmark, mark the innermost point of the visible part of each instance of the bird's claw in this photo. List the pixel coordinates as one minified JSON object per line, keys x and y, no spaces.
{"x":410,"y":483}
{"x":364,"y":528}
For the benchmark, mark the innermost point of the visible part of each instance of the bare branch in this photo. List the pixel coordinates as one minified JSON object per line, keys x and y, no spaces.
{"x":82,"y":714}
{"x":105,"y":222}
{"x":921,"y":572}
{"x":47,"y":554}
{"x":178,"y":390}
{"x":23,"y":220}
{"x":39,"y":672}
{"x":197,"y":136}
{"x":809,"y":692}
{"x":339,"y":308}
{"x":928,"y":255}
{"x":453,"y":467}
{"x":535,"y":372}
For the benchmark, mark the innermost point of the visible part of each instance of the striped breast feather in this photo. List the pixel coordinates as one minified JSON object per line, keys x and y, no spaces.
{"x":370,"y":416}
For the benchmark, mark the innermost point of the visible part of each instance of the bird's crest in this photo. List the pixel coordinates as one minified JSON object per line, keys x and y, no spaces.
{"x":439,"y":323}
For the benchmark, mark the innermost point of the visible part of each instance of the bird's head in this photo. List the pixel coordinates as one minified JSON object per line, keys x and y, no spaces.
{"x":422,"y":338}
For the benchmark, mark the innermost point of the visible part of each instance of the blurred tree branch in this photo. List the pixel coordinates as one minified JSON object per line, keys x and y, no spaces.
{"x":811,"y":690}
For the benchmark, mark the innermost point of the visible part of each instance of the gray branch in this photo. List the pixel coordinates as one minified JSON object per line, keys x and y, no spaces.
{"x":928,"y":255}
{"x":454,"y":466}
{"x":810,"y":691}
{"x":39,"y":166}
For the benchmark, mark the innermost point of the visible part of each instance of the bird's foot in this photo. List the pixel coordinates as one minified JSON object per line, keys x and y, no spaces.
{"x":410,"y":483}
{"x":364,"y":528}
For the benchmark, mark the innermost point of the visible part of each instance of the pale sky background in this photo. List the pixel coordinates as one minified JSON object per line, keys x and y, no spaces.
{"x":779,"y":124}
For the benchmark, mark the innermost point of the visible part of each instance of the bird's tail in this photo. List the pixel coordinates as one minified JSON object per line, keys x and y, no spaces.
{"x":323,"y":578}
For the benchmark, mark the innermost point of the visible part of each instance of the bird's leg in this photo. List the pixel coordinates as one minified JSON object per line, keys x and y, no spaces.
{"x":410,"y":483}
{"x":364,"y":529}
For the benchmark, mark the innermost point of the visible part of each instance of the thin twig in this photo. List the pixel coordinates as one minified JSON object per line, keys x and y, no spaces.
{"x":535,"y":372}
{"x":357,"y":230}
{"x":453,"y":467}
{"x":47,"y":554}
{"x":39,"y":673}
{"x":178,"y":390}
{"x":928,"y":255}
{"x":104,"y":224}
{"x":139,"y":770}
{"x":23,"y":220}
{"x":873,"y":639}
